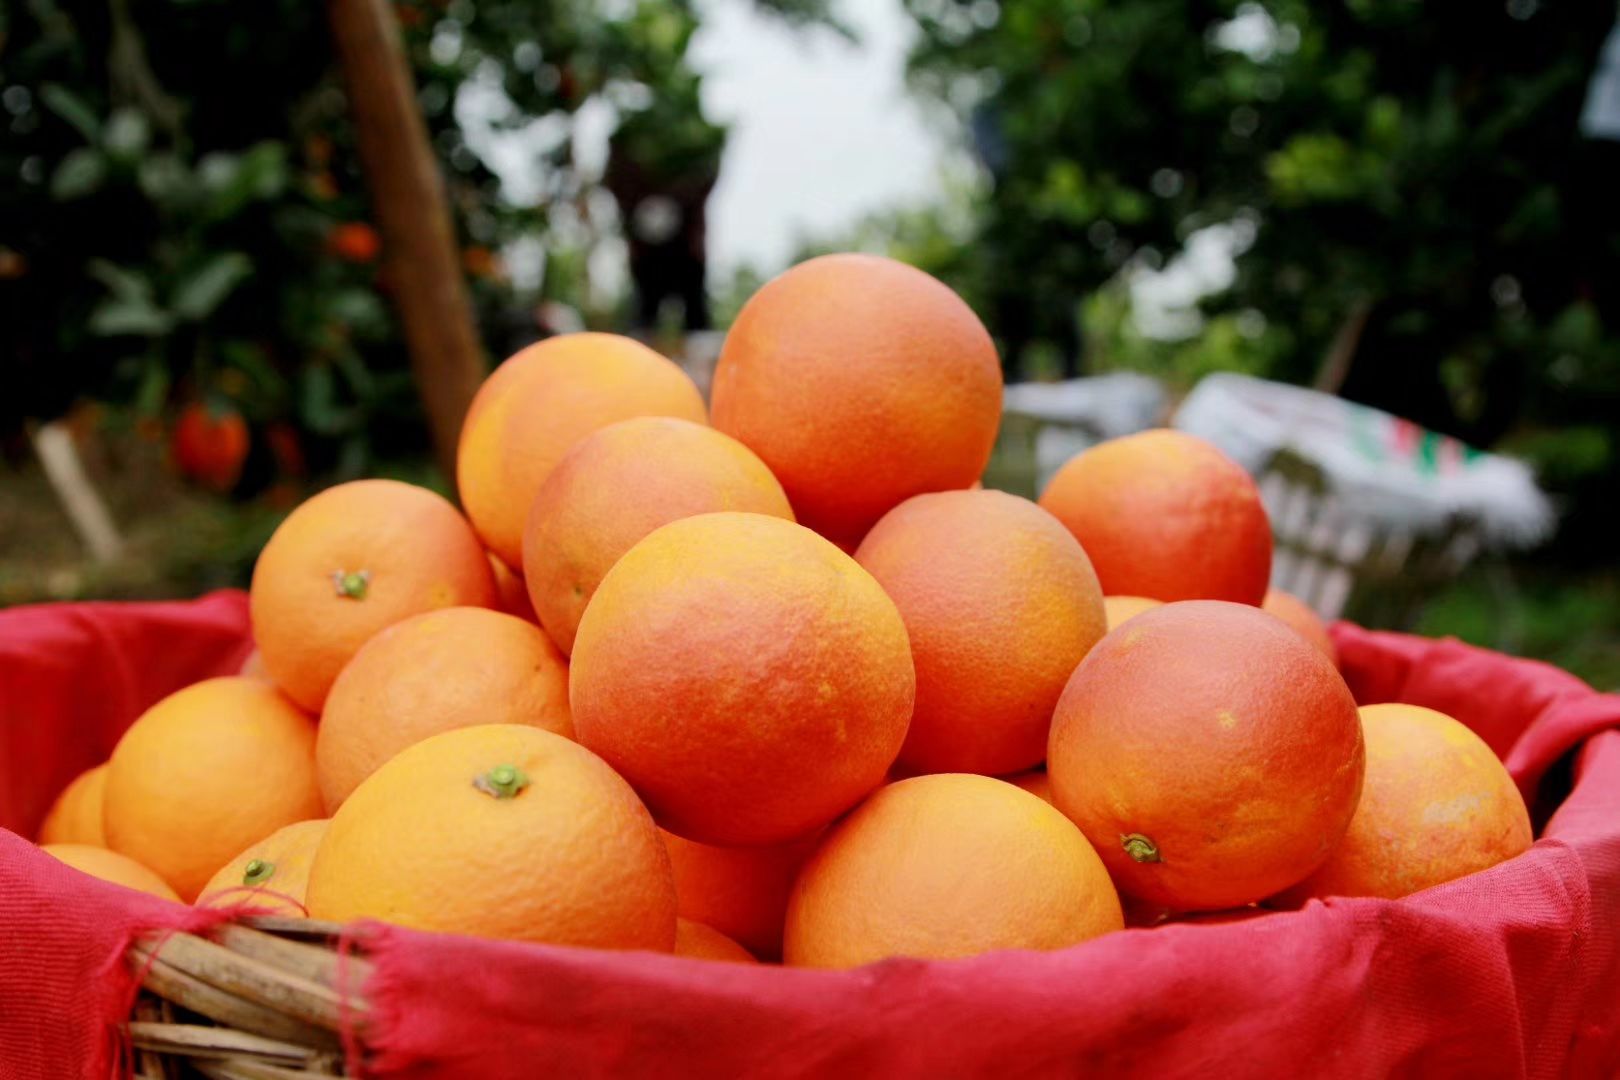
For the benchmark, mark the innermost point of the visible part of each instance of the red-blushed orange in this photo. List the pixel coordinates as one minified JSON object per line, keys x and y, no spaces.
{"x":1305,"y":622}
{"x":205,"y":772}
{"x":1166,"y":515}
{"x":1001,"y":605}
{"x":861,"y":382}
{"x":1120,"y":608}
{"x":503,"y":831}
{"x":348,"y":562}
{"x":706,"y":943}
{"x":944,"y":866}
{"x":616,"y":486}
{"x":740,"y":891}
{"x":538,"y":404}
{"x":749,"y":679}
{"x":1209,"y":752}
{"x":1437,"y":805}
{"x":430,"y":673}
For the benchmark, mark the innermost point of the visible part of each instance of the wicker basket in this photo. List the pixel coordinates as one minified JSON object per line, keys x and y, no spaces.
{"x":260,"y":999}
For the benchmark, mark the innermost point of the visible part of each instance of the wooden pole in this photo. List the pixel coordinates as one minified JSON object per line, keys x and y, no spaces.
{"x":413,"y":216}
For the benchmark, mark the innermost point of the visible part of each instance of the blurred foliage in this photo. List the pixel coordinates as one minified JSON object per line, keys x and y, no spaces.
{"x":1405,"y":181}
{"x":182,"y":215}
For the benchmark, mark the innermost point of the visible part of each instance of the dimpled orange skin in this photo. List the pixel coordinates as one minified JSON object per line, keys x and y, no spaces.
{"x":1166,"y":515}
{"x":747,"y":677}
{"x":616,"y":486}
{"x":1437,"y":804}
{"x":740,"y":891}
{"x":1001,"y":605}
{"x":430,"y":673}
{"x":572,"y":858}
{"x":945,"y":866}
{"x":1120,"y":608}
{"x":75,"y":817}
{"x":282,"y":875}
{"x":1212,"y":734}
{"x":706,"y":943}
{"x":1305,"y":622}
{"x":110,"y":866}
{"x":511,"y":594}
{"x":418,"y":555}
{"x":861,"y":382}
{"x":205,"y":772}
{"x":538,"y":404}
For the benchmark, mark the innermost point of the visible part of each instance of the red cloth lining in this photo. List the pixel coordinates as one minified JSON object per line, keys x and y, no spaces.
{"x":1512,"y":972}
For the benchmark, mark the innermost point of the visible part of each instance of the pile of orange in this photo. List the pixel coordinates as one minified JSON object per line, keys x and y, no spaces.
{"x":784,"y":683}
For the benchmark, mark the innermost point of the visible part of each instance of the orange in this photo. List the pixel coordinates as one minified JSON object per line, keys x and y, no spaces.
{"x":1166,"y":515}
{"x":740,"y":891}
{"x":350,"y":561}
{"x":618,"y":485}
{"x":1036,"y":782}
{"x":747,"y":677}
{"x":706,"y":943}
{"x":1211,"y":755}
{"x":205,"y":772}
{"x":1000,"y":604}
{"x":1120,"y":608}
{"x":511,"y":594}
{"x":538,"y":404}
{"x":272,"y":874}
{"x":944,"y":866}
{"x":861,"y":382}
{"x":1437,"y":804}
{"x":110,"y":866}
{"x":501,"y":830}
{"x":1293,"y":611}
{"x":75,"y":816}
{"x":430,"y":673}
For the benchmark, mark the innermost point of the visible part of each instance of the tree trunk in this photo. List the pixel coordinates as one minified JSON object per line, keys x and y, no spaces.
{"x":408,"y":199}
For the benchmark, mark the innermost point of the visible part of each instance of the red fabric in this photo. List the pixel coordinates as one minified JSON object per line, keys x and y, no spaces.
{"x":1512,"y":972}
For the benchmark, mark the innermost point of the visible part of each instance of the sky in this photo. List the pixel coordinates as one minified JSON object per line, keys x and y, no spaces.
{"x":823,"y":132}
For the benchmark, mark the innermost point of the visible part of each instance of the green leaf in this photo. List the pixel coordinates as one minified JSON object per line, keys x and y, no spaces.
{"x":153,"y":389}
{"x":234,"y":180}
{"x":164,"y":179}
{"x":125,"y":284}
{"x":120,"y":317}
{"x":64,"y":103}
{"x":127,"y":134}
{"x":197,"y":294}
{"x":78,"y":174}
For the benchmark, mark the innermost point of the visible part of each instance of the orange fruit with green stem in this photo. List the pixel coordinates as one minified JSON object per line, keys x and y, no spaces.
{"x":350,"y":561}
{"x":1212,"y":756}
{"x":503,"y":831}
{"x":430,"y":673}
{"x":206,"y":771}
{"x":272,"y":873}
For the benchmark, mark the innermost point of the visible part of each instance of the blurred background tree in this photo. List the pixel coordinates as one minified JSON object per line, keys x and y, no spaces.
{"x":183,"y":220}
